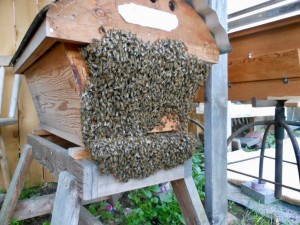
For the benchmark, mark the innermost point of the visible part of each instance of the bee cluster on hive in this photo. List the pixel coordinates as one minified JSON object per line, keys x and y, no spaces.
{"x":131,"y":86}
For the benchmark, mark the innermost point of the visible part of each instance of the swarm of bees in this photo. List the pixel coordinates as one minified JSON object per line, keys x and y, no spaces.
{"x":131,"y":86}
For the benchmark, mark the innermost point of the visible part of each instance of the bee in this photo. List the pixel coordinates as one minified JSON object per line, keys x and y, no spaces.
{"x":130,"y":87}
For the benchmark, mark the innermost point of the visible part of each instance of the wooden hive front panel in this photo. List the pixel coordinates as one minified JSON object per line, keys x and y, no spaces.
{"x":55,"y":94}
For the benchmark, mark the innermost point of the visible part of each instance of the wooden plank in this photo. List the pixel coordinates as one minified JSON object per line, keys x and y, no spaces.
{"x":40,"y":132}
{"x":292,"y":103}
{"x":92,"y":184}
{"x":78,"y":66}
{"x":189,"y":201}
{"x":267,"y":67}
{"x":16,"y":186}
{"x":7,"y":31}
{"x":283,"y":97}
{"x":215,"y":144}
{"x":28,"y":121}
{"x":33,"y":207}
{"x":36,"y":47}
{"x":42,"y":205}
{"x":86,"y":218}
{"x":284,"y":37}
{"x":67,"y":203}
{"x":25,"y":12}
{"x":53,"y":90}
{"x":6,"y":171}
{"x":263,"y":89}
{"x":67,"y":17}
{"x":79,"y":153}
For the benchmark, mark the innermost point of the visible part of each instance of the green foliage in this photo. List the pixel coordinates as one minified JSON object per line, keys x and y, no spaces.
{"x":13,"y":221}
{"x":98,"y":210}
{"x":270,"y":141}
{"x":46,"y":223}
{"x":29,"y":192}
{"x":147,"y":209}
{"x":198,"y":172}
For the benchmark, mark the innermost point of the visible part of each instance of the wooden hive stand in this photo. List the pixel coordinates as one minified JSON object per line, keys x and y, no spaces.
{"x":79,"y":183}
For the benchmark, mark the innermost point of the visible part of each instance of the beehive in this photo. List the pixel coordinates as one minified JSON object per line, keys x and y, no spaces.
{"x":60,"y":72}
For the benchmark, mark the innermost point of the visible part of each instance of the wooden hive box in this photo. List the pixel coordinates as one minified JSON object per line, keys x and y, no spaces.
{"x":55,"y":71}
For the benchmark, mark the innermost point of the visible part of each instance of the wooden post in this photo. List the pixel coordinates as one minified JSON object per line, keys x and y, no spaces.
{"x":189,"y":201}
{"x":67,"y":202}
{"x":216,"y":91}
{"x":86,"y":218}
{"x":6,"y":172}
{"x":16,"y":186}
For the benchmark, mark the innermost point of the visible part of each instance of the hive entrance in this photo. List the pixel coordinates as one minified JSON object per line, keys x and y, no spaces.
{"x":131,"y":86}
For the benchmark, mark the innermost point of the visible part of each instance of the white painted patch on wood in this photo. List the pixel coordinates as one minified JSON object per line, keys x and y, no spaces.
{"x":148,"y":17}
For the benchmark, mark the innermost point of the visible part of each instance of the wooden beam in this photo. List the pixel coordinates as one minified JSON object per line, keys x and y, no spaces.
{"x":86,"y":218}
{"x":92,"y":184}
{"x":86,"y":17}
{"x":262,"y":89}
{"x":42,"y":205}
{"x":67,"y":203}
{"x":189,"y":201}
{"x":79,"y":153}
{"x":33,"y":207}
{"x":36,"y":47}
{"x":16,"y":186}
{"x":5,"y":167}
{"x":215,"y":137}
{"x":40,"y":132}
{"x":266,"y":67}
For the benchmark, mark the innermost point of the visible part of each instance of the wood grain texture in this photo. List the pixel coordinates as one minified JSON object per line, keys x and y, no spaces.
{"x":189,"y":201}
{"x":5,"y":168}
{"x":86,"y":218}
{"x":53,"y":90}
{"x":264,"y":40}
{"x":262,"y":89}
{"x":10,"y":133}
{"x":270,"y":45}
{"x":42,"y":205}
{"x":91,"y":183}
{"x":16,"y":186}
{"x":67,"y":17}
{"x":7,"y":31}
{"x":267,"y":67}
{"x":67,"y":203}
{"x":79,"y":153}
{"x":78,"y":65}
{"x":38,"y":45}
{"x":33,"y":207}
{"x":25,"y":12}
{"x":28,"y":121}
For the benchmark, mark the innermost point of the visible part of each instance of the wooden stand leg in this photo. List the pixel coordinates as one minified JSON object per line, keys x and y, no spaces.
{"x":189,"y":201}
{"x":16,"y":186}
{"x":67,"y":202}
{"x":6,"y":172}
